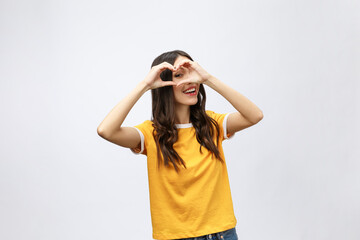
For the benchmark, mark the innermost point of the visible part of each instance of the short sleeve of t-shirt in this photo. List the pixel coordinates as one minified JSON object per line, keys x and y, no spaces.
{"x":221,"y":119}
{"x":145,"y":131}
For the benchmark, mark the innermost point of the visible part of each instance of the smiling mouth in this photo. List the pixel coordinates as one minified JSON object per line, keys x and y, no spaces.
{"x":190,"y":91}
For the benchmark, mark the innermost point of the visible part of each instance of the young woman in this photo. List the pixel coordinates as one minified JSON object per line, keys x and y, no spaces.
{"x":189,"y":188}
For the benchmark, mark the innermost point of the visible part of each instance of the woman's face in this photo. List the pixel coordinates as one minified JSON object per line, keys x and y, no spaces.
{"x":185,"y":94}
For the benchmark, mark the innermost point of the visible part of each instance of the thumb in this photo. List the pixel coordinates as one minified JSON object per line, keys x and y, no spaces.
{"x":168,"y":83}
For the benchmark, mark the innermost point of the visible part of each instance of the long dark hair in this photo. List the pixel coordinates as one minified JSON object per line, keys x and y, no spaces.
{"x":163,"y":117}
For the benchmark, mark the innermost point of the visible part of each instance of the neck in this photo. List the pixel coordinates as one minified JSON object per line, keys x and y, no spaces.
{"x":182,"y":114}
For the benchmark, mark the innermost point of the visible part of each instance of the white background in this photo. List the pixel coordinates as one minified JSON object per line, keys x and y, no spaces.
{"x":65,"y":64}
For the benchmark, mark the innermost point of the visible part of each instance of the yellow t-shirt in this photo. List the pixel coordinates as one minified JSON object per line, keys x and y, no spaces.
{"x":195,"y":201}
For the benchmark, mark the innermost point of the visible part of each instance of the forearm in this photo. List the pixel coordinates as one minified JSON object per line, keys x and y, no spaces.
{"x":241,"y":103}
{"x":117,"y":115}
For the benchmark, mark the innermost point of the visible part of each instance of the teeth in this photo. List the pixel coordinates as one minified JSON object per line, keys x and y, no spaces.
{"x":190,"y":90}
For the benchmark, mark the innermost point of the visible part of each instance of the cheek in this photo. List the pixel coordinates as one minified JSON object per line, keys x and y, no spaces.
{"x":176,"y":89}
{"x":177,"y":92}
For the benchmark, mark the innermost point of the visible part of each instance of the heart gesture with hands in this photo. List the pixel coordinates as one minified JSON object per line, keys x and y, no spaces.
{"x":196,"y":74}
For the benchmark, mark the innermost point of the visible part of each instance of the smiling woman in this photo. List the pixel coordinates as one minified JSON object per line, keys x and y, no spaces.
{"x":185,"y":94}
{"x":188,"y":180}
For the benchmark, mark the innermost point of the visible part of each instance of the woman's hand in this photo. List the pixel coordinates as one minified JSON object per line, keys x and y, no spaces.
{"x":196,"y":73}
{"x":153,"y":80}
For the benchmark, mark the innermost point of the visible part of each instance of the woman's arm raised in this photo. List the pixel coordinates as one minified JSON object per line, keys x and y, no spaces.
{"x":110,"y":128}
{"x":247,"y":113}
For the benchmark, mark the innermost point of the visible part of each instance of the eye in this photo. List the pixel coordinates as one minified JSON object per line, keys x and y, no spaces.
{"x":177,"y":75}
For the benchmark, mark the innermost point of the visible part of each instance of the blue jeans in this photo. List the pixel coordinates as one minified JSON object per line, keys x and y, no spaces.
{"x":224,"y":235}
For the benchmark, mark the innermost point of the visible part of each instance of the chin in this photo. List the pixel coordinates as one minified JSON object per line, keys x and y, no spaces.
{"x":195,"y":102}
{"x":187,"y":101}
{"x":192,"y":102}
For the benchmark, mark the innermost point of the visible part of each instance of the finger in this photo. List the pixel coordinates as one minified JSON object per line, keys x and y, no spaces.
{"x":166,"y":65}
{"x":168,"y":83}
{"x":183,"y":82}
{"x":163,"y":66}
{"x":184,"y":63}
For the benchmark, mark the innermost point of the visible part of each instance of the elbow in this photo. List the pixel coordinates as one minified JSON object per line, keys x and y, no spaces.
{"x":101,"y":132}
{"x":259,"y":117}
{"x":105,"y":133}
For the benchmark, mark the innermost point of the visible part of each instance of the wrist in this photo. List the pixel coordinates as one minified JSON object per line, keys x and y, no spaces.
{"x":143,"y":86}
{"x":211,"y":81}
